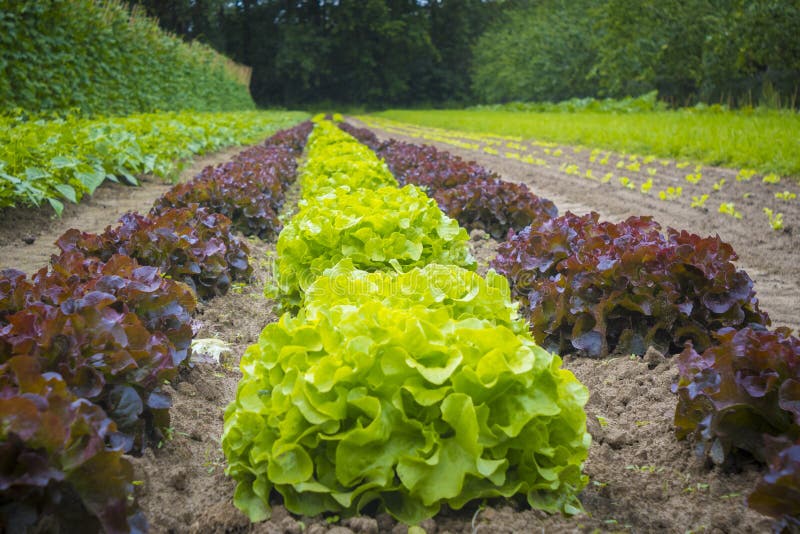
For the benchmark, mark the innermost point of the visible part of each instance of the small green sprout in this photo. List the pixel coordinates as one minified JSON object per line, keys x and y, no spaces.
{"x":671,"y":193}
{"x":698,"y":201}
{"x":771,"y":178}
{"x":745,"y":175}
{"x":647,"y":186}
{"x":786,"y":195}
{"x":627,"y":183}
{"x":694,"y":178}
{"x":718,"y":185}
{"x":728,"y":208}
{"x":775,"y":219}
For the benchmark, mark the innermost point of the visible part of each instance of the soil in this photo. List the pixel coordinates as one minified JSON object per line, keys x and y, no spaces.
{"x":641,"y":478}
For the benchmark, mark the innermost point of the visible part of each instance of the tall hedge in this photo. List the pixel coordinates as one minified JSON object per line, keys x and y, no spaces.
{"x":99,"y":57}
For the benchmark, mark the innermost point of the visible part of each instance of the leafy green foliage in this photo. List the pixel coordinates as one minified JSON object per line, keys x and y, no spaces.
{"x":105,"y":60}
{"x":54,"y":445}
{"x":61,"y":160}
{"x":383,"y":229}
{"x":600,"y":287}
{"x":414,"y":390}
{"x":353,"y":209}
{"x":114,"y":331}
{"x":336,"y":159}
{"x":762,"y":139}
{"x":193,"y":245}
{"x":739,"y":391}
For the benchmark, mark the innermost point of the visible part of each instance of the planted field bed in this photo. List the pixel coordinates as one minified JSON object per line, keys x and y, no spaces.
{"x":314,"y":334}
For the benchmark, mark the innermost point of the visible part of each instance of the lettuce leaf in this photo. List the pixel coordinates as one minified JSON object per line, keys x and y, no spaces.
{"x":412,"y":389}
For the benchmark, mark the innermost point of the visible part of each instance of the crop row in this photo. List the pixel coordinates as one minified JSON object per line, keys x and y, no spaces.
{"x":61,"y":160}
{"x":404,"y":379}
{"x":653,"y":177}
{"x":87,"y":343}
{"x":597,"y":288}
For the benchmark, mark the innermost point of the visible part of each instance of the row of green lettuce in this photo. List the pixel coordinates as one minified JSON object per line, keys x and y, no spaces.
{"x":398,"y":377}
{"x":102,"y":58}
{"x":61,"y":160}
{"x":596,"y":288}
{"x":87,"y":343}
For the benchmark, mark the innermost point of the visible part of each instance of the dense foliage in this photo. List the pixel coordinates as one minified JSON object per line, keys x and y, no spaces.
{"x":87,"y":344}
{"x":353,"y":208}
{"x":730,"y":51}
{"x":778,"y":492}
{"x":600,"y":287}
{"x":737,"y":392}
{"x":465,"y":191}
{"x":743,"y":395}
{"x":193,"y":245}
{"x":62,"y":160}
{"x":100,"y":58}
{"x":113,"y":331}
{"x":250,"y":189}
{"x":451,"y":52}
{"x":54,"y":450}
{"x":410,"y":398}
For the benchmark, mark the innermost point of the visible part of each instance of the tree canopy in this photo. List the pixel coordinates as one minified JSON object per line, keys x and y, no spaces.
{"x":439,"y":52}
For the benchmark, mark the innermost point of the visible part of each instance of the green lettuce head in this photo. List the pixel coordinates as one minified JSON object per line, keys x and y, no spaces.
{"x":380,"y":230}
{"x":411,"y":389}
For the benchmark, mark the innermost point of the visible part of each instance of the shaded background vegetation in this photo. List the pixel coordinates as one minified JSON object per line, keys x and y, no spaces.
{"x":444,"y":52}
{"x":380,"y":53}
{"x":97,"y":57}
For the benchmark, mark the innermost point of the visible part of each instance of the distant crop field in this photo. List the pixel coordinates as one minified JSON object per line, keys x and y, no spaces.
{"x":767,"y":141}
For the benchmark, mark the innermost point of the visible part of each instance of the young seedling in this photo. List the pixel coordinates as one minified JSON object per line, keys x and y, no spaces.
{"x":694,"y":177}
{"x":728,"y":208}
{"x":699,"y":201}
{"x":647,"y":186}
{"x":786,"y":195}
{"x":775,"y":219}
{"x":718,"y":185}
{"x":771,"y":178}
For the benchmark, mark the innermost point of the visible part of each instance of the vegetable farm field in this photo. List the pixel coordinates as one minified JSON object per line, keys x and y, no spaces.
{"x":365,"y":334}
{"x":542,"y":274}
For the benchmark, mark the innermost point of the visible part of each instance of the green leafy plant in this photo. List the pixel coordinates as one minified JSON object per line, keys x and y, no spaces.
{"x":699,"y":201}
{"x":414,"y":390}
{"x":671,"y":193}
{"x":775,"y":219}
{"x":384,"y":229}
{"x":34,"y":169}
{"x":729,"y":208}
